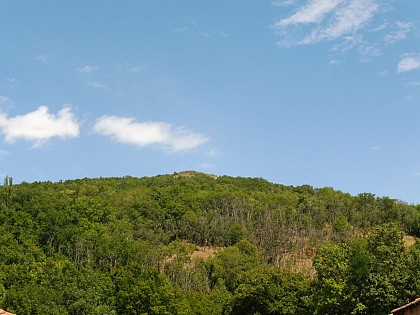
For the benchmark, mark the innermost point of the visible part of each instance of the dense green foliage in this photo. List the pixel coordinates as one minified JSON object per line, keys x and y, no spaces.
{"x":128,"y":246}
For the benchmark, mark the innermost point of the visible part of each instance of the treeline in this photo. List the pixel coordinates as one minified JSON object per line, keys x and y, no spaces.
{"x":128,"y":246}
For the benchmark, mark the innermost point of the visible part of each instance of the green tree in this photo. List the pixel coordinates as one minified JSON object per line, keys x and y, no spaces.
{"x":229,"y":263}
{"x":143,"y":291}
{"x":387,"y":279}
{"x":265,"y":290}
{"x":365,"y":276}
{"x":331,"y":294}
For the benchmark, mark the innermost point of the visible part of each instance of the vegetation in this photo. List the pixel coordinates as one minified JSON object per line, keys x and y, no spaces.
{"x":191,"y":243}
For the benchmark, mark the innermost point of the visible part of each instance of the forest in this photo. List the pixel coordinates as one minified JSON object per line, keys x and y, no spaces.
{"x":194,"y":243}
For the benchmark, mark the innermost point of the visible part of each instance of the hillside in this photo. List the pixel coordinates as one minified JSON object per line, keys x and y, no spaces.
{"x":195,"y":243}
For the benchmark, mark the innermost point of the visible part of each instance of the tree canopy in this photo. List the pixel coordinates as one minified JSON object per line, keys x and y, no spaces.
{"x":191,"y":243}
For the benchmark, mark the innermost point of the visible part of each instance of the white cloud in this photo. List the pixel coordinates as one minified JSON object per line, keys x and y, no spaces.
{"x":348,"y":42}
{"x":350,"y":18}
{"x":409,"y":63}
{"x":382,"y":73}
{"x":5,"y":102}
{"x":97,"y":85}
{"x":368,"y":52}
{"x":88,"y":69}
{"x":12,"y":83}
{"x":410,"y":98}
{"x":330,"y":19}
{"x":313,"y":12}
{"x":215,"y":33}
{"x":41,"y":58}
{"x":3,"y":153}
{"x":414,"y":83}
{"x":136,"y":69}
{"x":213,"y":153}
{"x":379,"y":27}
{"x":142,"y":134}
{"x":192,"y":28}
{"x":283,"y":3}
{"x":334,"y":62}
{"x":39,"y":126}
{"x":207,"y":166}
{"x":402,"y":29}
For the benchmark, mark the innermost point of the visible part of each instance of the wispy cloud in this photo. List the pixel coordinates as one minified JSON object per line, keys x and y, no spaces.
{"x":367,"y":52}
{"x":380,"y":27}
{"x":192,"y":28}
{"x":42,"y":58}
{"x":382,"y":73}
{"x":128,"y":130}
{"x":3,"y":153}
{"x":333,"y":62}
{"x":97,"y":85}
{"x":136,"y":69}
{"x":414,"y":83}
{"x":207,"y":166}
{"x":39,"y":126}
{"x":283,"y":3}
{"x":212,"y":153}
{"x":203,"y":33}
{"x":11,"y":83}
{"x":348,"y":42}
{"x":5,"y":102}
{"x":400,"y":33}
{"x":313,"y":12}
{"x":410,"y":98}
{"x":325,"y":20}
{"x":88,"y":69}
{"x":409,"y":63}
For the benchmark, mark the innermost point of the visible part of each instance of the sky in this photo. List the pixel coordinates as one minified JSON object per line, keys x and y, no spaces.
{"x":318,"y":92}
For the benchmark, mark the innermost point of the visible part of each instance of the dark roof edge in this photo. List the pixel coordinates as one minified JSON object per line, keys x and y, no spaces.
{"x":416,"y":301}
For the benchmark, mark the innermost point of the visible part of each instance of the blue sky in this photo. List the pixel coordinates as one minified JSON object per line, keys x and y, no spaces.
{"x":319,"y":92}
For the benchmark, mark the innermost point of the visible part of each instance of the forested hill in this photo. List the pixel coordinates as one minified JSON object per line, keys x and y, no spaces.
{"x":193,"y":243}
